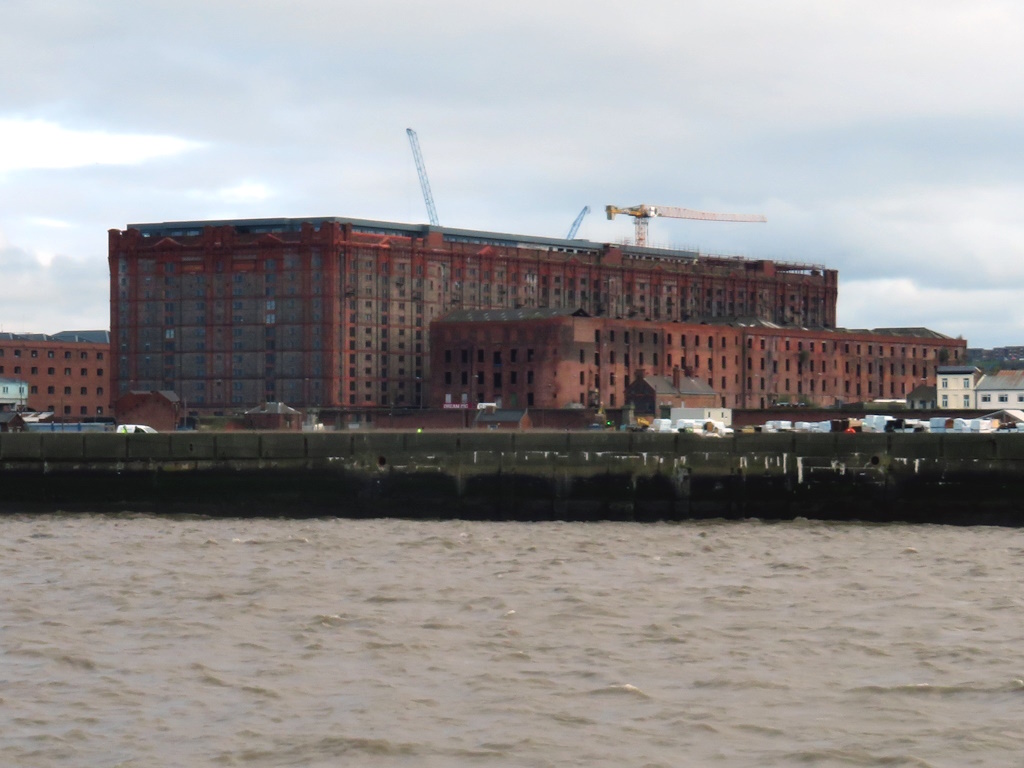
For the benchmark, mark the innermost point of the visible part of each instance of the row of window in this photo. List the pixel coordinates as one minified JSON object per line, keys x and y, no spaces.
{"x":496,"y":356}
{"x":945,"y":401}
{"x":496,"y":380}
{"x":51,"y":390}
{"x":83,"y":354}
{"x":812,"y":346}
{"x":34,"y":371}
{"x":83,"y":410}
{"x":1000,"y":398}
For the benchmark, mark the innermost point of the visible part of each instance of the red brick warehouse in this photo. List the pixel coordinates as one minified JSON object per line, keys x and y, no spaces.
{"x":334,"y":312}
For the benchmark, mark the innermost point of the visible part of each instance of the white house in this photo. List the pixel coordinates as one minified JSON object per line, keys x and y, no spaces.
{"x":954,"y":386}
{"x":1003,"y":390}
{"x":13,"y":393}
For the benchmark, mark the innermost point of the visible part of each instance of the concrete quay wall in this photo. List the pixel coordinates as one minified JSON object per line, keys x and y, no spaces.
{"x":930,"y":478}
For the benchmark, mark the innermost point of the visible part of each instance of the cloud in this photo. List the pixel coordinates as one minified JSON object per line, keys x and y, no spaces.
{"x":880,"y":139}
{"x":41,"y":144}
{"x":244,"y":192}
{"x":47,"y":294}
{"x":886,"y":303}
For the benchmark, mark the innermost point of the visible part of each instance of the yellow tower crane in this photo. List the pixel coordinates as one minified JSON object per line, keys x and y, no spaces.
{"x":644,"y":213}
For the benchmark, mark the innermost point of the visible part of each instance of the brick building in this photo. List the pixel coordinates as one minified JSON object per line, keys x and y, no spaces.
{"x":67,"y":373}
{"x":555,"y":358}
{"x":650,"y":394}
{"x":333,"y":312}
{"x":159,"y":410}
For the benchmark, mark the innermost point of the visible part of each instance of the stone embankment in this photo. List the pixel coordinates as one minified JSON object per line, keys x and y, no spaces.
{"x":929,"y":478}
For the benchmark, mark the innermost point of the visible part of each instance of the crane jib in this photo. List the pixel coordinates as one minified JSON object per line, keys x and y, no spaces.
{"x":642,"y":213}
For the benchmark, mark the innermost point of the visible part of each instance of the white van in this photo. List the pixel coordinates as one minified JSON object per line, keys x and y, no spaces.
{"x":129,"y":429}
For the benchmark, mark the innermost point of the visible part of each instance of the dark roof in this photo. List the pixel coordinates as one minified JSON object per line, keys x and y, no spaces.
{"x":93,"y":337}
{"x":274,"y":408}
{"x":168,"y":394}
{"x":921,"y":333}
{"x":956,"y":369}
{"x":367,"y":226}
{"x":538,"y":313}
{"x":173,"y":229}
{"x":756,"y":322}
{"x":498,"y":315}
{"x":662,"y":385}
{"x":923,"y":392}
{"x":89,"y":337}
{"x":397,"y":229}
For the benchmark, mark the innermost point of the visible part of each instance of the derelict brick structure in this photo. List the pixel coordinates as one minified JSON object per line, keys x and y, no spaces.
{"x":549,"y":358}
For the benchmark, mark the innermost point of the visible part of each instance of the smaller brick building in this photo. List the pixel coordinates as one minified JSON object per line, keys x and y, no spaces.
{"x":11,"y":421}
{"x":159,"y":410}
{"x":652,"y":394}
{"x":557,"y":358}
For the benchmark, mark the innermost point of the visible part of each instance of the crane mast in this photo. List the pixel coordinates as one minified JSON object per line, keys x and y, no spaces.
{"x":643,"y":213}
{"x":576,"y":224}
{"x":428,"y":198}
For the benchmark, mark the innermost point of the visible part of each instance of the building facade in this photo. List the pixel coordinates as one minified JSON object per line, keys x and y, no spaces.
{"x":653,"y":395}
{"x":1001,"y":390}
{"x":13,"y":394}
{"x":334,"y":312}
{"x":954,"y":386}
{"x":67,"y":373}
{"x":557,"y":358}
{"x":159,"y":410}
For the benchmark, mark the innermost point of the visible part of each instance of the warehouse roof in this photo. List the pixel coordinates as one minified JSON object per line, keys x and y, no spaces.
{"x":1002,"y":380}
{"x":90,"y":337}
{"x":450,"y":234}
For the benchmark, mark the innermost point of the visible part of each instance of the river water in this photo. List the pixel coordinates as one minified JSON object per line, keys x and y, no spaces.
{"x":146,"y":641}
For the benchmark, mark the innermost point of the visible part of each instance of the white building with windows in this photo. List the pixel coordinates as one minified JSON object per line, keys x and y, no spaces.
{"x":13,"y":393}
{"x":1003,"y":390}
{"x":955,"y":387}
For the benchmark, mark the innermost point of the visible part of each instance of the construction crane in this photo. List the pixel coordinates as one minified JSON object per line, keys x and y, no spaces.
{"x":428,"y":198}
{"x":576,"y":224}
{"x":644,"y":213}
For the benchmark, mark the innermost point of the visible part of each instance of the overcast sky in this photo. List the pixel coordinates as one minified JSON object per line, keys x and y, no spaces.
{"x":883,"y":139}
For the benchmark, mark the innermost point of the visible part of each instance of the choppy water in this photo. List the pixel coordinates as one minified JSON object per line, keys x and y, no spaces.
{"x":185,"y":642}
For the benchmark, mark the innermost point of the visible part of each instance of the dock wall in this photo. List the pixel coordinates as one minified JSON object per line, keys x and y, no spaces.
{"x":929,"y":478}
